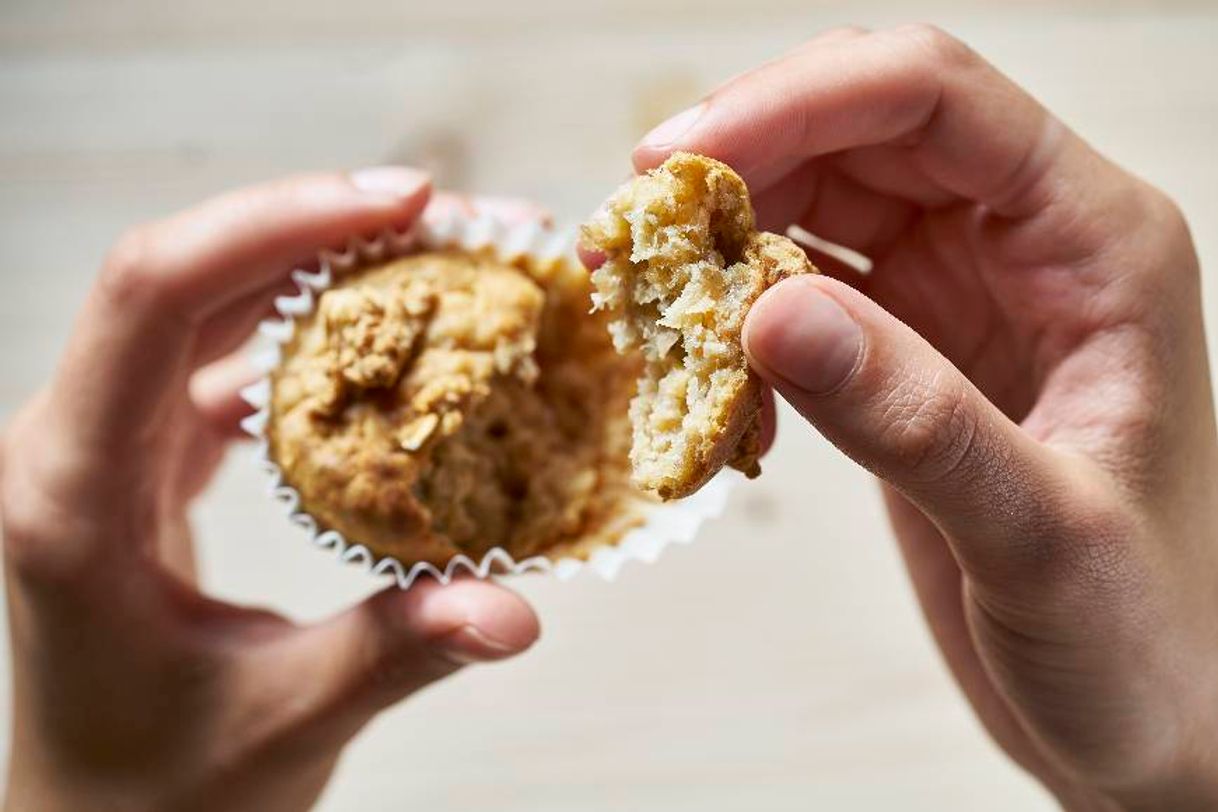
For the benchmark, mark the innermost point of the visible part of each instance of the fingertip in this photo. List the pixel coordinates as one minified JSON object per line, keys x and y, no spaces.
{"x":646,"y":157}
{"x":499,"y":614}
{"x":760,"y":319}
{"x":401,"y":191}
{"x":215,"y":391}
{"x":468,"y":619}
{"x":590,"y":257}
{"x":666,"y":138}
{"x":402,"y":183}
{"x":799,"y":335}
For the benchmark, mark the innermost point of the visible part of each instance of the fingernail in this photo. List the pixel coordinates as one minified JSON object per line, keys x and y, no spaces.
{"x":399,"y":181}
{"x":590,"y":257}
{"x":801,"y":334}
{"x":469,"y":644}
{"x":671,"y":130}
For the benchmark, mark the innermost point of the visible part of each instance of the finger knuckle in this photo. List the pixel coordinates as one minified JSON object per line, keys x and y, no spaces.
{"x":936,"y":45}
{"x":24,"y":526}
{"x":844,"y":32}
{"x":34,"y":515}
{"x":1168,"y":217}
{"x":302,"y":193}
{"x":131,"y":272}
{"x":280,"y":194}
{"x":930,"y":430}
{"x":19,"y":530}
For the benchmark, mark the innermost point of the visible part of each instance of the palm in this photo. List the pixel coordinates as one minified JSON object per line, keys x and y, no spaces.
{"x":956,"y":303}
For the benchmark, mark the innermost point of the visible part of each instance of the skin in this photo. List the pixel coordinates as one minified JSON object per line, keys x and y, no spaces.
{"x":1024,"y":369}
{"x":132,"y":689}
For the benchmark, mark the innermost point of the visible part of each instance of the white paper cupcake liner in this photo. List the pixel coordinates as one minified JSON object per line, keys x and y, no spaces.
{"x":662,"y":524}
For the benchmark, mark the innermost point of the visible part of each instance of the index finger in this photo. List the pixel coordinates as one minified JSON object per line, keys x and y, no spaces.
{"x":133,"y":341}
{"x":966,"y":126}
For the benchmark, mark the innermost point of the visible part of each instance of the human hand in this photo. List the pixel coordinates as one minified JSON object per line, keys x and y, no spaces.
{"x":1025,"y":368}
{"x":132,"y":690}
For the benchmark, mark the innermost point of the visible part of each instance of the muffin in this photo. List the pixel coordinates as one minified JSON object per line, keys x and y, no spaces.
{"x":449,"y":403}
{"x":683,"y":265}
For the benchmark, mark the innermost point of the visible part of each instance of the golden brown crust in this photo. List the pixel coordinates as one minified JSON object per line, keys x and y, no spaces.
{"x":448,"y":403}
{"x":683,"y":266}
{"x":737,"y":442}
{"x":774,"y":258}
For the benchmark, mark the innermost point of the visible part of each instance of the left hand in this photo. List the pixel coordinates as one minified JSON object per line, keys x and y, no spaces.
{"x":132,"y":689}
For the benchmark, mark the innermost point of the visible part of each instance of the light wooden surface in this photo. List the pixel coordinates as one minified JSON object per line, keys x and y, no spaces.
{"x":779,"y":663}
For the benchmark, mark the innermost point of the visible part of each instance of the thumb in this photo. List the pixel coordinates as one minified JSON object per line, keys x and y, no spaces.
{"x":396,"y":642}
{"x":889,"y":400}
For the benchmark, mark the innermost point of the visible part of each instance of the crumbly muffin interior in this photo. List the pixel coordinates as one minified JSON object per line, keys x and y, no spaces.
{"x":447,"y":403}
{"x":677,"y":284}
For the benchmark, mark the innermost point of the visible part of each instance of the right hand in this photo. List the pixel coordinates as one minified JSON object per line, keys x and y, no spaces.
{"x":1025,"y":368}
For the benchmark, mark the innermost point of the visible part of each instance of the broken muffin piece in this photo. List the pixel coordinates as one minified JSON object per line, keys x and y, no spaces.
{"x":683,"y":265}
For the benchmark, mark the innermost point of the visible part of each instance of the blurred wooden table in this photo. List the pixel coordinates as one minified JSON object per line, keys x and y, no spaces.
{"x":778,"y":664}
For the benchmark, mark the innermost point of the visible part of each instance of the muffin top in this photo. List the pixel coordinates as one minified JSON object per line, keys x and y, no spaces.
{"x":449,"y":403}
